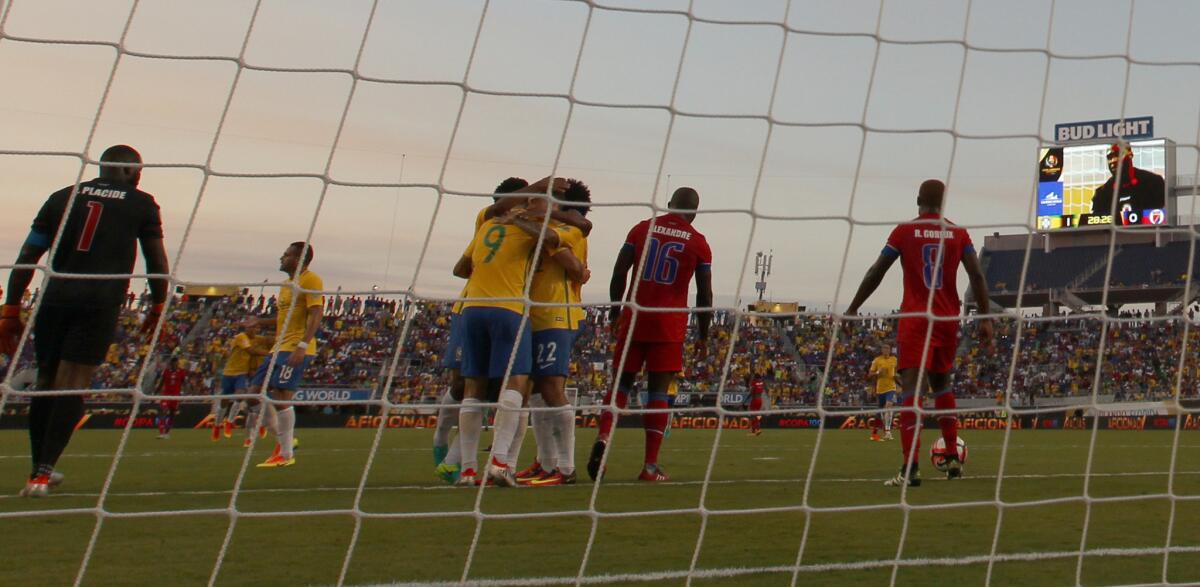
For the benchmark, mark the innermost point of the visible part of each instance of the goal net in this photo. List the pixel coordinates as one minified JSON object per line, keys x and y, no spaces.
{"x":375,"y":132}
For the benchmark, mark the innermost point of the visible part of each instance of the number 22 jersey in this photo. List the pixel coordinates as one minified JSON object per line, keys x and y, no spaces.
{"x":674,"y":252}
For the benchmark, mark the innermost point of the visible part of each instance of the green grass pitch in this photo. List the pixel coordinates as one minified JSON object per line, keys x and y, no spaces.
{"x":189,"y":472}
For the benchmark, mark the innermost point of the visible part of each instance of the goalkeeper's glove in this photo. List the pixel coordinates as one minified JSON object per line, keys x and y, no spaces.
{"x":151,"y":319}
{"x":11,"y":328}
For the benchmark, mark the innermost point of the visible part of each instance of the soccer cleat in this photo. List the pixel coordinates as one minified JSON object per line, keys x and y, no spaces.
{"x":501,"y":474}
{"x":439,"y":454}
{"x":295,"y":443}
{"x":534,"y":471}
{"x":954,"y":467}
{"x":37,"y":487}
{"x":276,"y":461}
{"x":887,"y":436}
{"x":247,"y":443}
{"x":554,"y":478}
{"x":875,"y":437}
{"x":228,"y":429}
{"x":593,"y":465}
{"x":913,"y":478}
{"x":262,"y":432}
{"x":56,"y":479}
{"x":447,"y":472}
{"x":162,"y":436}
{"x":654,"y":474}
{"x":216,"y":433}
{"x":466,"y":479}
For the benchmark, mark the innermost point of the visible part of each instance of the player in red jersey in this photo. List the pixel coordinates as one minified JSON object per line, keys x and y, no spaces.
{"x":930,"y":248}
{"x":170,"y":382}
{"x":666,"y":252}
{"x":758,"y":391}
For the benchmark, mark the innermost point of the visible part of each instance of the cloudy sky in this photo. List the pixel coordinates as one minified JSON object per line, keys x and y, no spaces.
{"x":869,"y":100}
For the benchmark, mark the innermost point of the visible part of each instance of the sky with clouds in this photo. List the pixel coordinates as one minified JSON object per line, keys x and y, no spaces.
{"x":809,"y":141}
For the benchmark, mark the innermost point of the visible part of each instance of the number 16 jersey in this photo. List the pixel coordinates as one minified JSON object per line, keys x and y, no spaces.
{"x":674,"y":251}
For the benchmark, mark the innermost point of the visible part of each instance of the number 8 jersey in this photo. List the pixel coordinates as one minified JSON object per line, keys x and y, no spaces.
{"x":674,"y":251}
{"x":100,"y":236}
{"x":930,"y":254}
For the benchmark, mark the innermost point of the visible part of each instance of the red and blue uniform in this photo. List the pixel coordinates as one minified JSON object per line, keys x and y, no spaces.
{"x":172,"y":384}
{"x":930,"y":251}
{"x":674,"y":252}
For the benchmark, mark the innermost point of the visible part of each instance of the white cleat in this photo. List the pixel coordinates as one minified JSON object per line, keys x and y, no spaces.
{"x":56,"y":479}
{"x":501,"y":475}
{"x":38,"y":487}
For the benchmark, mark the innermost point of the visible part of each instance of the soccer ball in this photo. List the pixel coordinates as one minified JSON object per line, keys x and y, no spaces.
{"x":937,"y":453}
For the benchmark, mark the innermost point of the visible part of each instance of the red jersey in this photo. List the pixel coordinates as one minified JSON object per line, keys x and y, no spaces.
{"x":172,"y":381}
{"x":930,"y":255}
{"x":675,"y":251}
{"x":757,"y":388}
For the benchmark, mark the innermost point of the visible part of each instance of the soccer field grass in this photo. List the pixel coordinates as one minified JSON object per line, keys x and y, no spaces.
{"x":189,"y":472}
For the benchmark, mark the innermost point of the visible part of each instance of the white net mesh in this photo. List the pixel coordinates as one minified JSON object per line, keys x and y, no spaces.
{"x":806,"y":127}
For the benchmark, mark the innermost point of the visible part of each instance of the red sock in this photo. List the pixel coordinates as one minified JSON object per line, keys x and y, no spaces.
{"x":948,"y":422}
{"x":607,"y":417}
{"x":655,"y":425}
{"x":910,"y":431}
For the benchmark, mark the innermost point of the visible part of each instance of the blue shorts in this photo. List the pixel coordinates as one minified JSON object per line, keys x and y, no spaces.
{"x":283,"y":377}
{"x":489,"y":336}
{"x":884,"y":398}
{"x":452,"y":358}
{"x":552,"y":352}
{"x":231,"y":384}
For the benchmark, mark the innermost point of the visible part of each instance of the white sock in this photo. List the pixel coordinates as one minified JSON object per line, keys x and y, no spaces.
{"x":887,"y":421}
{"x":218,"y":414}
{"x":272,"y":419}
{"x":564,"y":433}
{"x":470,"y":427}
{"x":543,"y":432}
{"x":454,"y":454}
{"x":514,"y":451}
{"x":507,"y":421}
{"x":286,"y":425}
{"x":252,"y":419}
{"x":235,"y":409}
{"x":447,"y":419}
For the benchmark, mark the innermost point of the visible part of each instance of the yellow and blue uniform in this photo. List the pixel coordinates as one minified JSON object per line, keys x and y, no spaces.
{"x":235,"y":376}
{"x":289,"y":328}
{"x":501,"y":255}
{"x":885,"y":379}
{"x":555,"y":328}
{"x":452,"y":358}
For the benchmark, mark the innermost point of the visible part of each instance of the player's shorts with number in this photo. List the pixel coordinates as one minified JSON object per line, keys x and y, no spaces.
{"x":943,"y":342}
{"x":283,"y":376}
{"x":231,"y":384}
{"x":79,"y":334}
{"x":453,"y":357}
{"x":885,"y":398}
{"x":489,"y":336}
{"x":552,"y":352}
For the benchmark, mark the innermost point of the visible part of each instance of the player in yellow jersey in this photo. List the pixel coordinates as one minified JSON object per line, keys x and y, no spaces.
{"x":255,"y":421}
{"x":557,"y":319}
{"x":235,"y":378}
{"x":883,"y":371}
{"x":300,"y":308}
{"x":497,"y":341}
{"x":446,"y":456}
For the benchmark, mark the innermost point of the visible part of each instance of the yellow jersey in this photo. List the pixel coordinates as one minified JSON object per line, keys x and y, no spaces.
{"x":289,"y":334}
{"x":238,"y":361}
{"x":551,"y":284}
{"x":480,"y":218}
{"x":500,"y":257}
{"x":885,"y":373}
{"x":673,"y":389}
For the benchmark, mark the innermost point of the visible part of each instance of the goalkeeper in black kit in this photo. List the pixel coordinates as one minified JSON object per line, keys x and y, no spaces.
{"x":78,"y":315}
{"x":1140,"y":190}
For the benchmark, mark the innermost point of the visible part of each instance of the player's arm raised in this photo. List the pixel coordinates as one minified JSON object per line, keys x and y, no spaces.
{"x":871,"y":281}
{"x":979,"y":290}
{"x":575,"y":269}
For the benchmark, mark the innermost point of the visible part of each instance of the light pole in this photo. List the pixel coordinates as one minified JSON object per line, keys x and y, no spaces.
{"x":762,"y":269}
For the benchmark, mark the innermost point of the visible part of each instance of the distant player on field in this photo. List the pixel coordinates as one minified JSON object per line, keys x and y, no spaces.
{"x":758,"y":391}
{"x":930,"y":249}
{"x":235,"y":378}
{"x":296,"y":323}
{"x":497,"y":264}
{"x":99,"y":234}
{"x":170,"y":383}
{"x":883,"y":371}
{"x":664,"y":257}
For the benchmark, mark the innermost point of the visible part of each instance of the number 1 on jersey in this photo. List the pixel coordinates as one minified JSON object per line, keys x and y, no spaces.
{"x":88,"y":234}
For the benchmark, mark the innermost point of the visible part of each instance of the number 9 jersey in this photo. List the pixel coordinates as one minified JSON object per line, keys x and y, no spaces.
{"x":674,"y":251}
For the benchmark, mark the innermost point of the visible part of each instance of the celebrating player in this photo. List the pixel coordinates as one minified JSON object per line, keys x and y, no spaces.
{"x":559,"y":279}
{"x":670,"y":251}
{"x":757,"y":392}
{"x":78,"y":317}
{"x":930,"y":249}
{"x":296,"y":322}
{"x":170,"y":383}
{"x":496,"y":266}
{"x":235,"y":378}
{"x":883,"y":371}
{"x":1140,"y":190}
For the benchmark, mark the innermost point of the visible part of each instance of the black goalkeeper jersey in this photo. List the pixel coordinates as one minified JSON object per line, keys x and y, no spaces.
{"x":101,"y":236}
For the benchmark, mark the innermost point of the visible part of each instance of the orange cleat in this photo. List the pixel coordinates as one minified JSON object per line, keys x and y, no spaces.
{"x":555,"y":478}
{"x":228,"y":431}
{"x":262,"y":432}
{"x":247,"y":443}
{"x":654,"y":474}
{"x":216,"y":433}
{"x":530,"y":473}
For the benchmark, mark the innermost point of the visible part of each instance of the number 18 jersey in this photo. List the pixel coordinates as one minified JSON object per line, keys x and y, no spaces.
{"x":930,"y":254}
{"x":674,"y":252}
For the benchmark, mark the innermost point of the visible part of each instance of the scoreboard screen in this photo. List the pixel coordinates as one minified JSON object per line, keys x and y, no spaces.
{"x":1076,"y":187}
